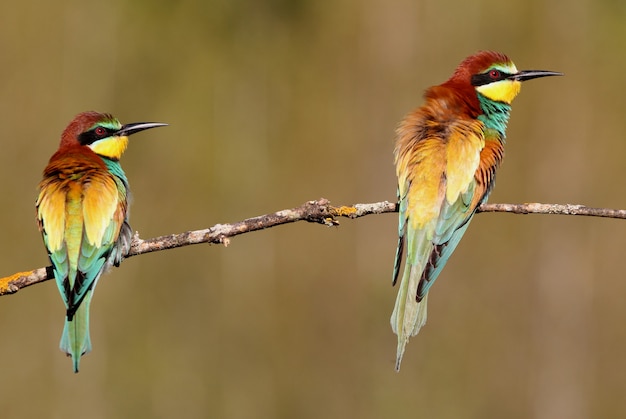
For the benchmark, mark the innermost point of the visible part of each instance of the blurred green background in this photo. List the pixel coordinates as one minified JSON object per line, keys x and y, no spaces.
{"x":275,"y":102}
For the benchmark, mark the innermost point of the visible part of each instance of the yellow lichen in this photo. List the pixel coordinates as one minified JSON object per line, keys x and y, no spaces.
{"x":344,"y":211}
{"x":7,"y":285}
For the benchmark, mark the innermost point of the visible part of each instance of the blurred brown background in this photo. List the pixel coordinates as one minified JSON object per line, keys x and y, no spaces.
{"x":275,"y":102}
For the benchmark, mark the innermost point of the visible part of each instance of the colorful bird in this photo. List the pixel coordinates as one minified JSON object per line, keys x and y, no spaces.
{"x":82,"y":212}
{"x":446,"y":157}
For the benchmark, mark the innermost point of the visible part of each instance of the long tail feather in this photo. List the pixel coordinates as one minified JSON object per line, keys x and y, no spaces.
{"x":408,"y":315}
{"x":75,"y":341}
{"x":403,"y":338}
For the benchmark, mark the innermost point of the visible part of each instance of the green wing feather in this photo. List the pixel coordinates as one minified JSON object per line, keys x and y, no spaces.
{"x":451,"y":225}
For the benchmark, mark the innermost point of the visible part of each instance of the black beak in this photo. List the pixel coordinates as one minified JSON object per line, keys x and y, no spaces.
{"x":135,"y":127}
{"x":532,"y":74}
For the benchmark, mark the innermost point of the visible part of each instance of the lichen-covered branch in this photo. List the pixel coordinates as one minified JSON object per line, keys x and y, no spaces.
{"x":320,"y":212}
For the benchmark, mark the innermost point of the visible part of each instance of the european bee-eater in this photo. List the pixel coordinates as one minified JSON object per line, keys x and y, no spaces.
{"x":446,"y":156}
{"x":82,"y":212}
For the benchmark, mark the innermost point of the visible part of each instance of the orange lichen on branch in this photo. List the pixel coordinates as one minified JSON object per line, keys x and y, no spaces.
{"x":343,"y":211}
{"x":12,"y":284}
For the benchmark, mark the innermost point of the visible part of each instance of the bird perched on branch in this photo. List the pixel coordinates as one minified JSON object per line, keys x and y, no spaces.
{"x":446,"y":156}
{"x":82,"y":212}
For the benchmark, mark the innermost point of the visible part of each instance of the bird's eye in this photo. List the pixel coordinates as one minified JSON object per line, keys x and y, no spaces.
{"x":100,"y":131}
{"x":494,"y":74}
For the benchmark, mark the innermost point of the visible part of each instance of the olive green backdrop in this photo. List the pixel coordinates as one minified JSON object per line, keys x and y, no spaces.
{"x":275,"y":102}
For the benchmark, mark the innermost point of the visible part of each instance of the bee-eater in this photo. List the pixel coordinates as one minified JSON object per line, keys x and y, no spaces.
{"x":446,"y":156}
{"x":82,"y":212}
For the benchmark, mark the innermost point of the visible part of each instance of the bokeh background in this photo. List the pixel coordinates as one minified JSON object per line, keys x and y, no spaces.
{"x":275,"y":102}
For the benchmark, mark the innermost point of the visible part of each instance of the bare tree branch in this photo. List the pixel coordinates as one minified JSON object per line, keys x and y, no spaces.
{"x":558,"y":209}
{"x":320,"y":212}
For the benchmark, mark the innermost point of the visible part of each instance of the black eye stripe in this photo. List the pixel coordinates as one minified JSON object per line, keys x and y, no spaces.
{"x":90,"y":137}
{"x":486,"y":77}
